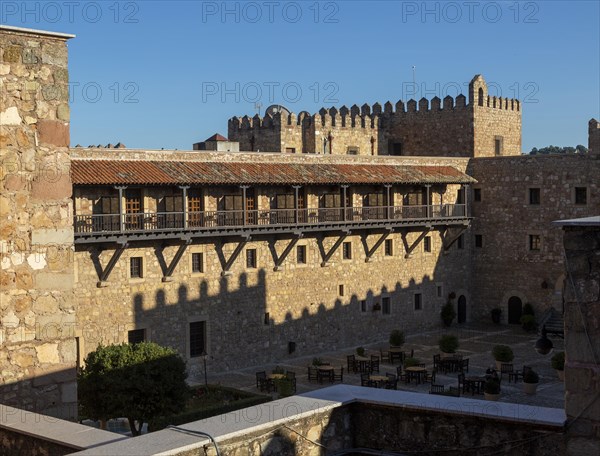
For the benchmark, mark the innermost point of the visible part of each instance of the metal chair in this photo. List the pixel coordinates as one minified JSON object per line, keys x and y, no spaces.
{"x":464,"y":365}
{"x":374,"y":363}
{"x":351,"y":363}
{"x":312,"y":374}
{"x":385,"y":355}
{"x":507,"y":368}
{"x":262,"y":382}
{"x":391,"y":382}
{"x":339,"y":377}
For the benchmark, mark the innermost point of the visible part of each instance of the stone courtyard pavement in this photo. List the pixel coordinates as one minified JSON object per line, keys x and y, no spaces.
{"x":476,"y":343}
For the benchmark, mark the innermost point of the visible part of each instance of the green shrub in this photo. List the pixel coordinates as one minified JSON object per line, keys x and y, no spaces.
{"x":448,"y":314}
{"x":528,"y":309}
{"x":492,"y":386}
{"x":284,"y":387}
{"x":137,"y":381}
{"x":278,"y":370}
{"x":503,"y":353}
{"x":317,"y":362}
{"x":558,"y":361}
{"x":397,"y":338}
{"x":531,"y":376}
{"x":360,"y":351}
{"x":527,"y":322}
{"x":409,"y":362}
{"x":448,"y":343}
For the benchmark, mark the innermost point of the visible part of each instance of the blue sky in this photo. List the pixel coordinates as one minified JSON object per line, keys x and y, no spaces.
{"x":157,"y":74}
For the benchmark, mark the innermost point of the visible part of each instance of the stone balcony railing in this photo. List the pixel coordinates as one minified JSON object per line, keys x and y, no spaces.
{"x":103,"y":227}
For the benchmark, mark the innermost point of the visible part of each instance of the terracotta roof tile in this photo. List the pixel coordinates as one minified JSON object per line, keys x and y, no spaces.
{"x":138,"y":172}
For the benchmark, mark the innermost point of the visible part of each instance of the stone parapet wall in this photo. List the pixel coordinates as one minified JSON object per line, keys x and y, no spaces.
{"x":504,"y":218}
{"x":37,"y":309}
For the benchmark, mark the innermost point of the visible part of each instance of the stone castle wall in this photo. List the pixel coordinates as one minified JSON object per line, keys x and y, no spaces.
{"x":303,"y":301}
{"x":452,"y":128}
{"x":37,"y":307}
{"x":504,"y":218}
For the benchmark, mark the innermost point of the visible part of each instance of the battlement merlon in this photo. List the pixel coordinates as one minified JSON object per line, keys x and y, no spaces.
{"x":478,"y":98}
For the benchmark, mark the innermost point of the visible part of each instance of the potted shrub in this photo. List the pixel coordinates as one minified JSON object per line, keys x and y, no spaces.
{"x":528,"y":309}
{"x":448,"y":313}
{"x":360,"y":351}
{"x":496,"y":314}
{"x":527,"y":322}
{"x":410,"y":362}
{"x":530,"y":381}
{"x":502,"y":354}
{"x":396,"y":338}
{"x":558,"y":364}
{"x":491,"y":389}
{"x":317,"y":362}
{"x":448,"y":343}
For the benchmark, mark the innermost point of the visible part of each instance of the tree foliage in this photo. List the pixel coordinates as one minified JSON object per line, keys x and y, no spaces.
{"x":136,"y":381}
{"x":579,"y":149}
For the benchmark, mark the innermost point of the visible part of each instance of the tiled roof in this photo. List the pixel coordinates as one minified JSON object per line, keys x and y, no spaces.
{"x":111,"y":172}
{"x":216,"y":137}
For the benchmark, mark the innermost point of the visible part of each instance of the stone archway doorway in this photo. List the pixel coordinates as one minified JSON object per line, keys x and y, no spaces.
{"x":515,"y":310}
{"x":462,"y":309}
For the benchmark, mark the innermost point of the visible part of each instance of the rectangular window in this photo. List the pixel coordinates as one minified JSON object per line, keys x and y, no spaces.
{"x":197,"y":338}
{"x":580,"y":195}
{"x":347,"y":251}
{"x":385,"y":306}
{"x":135,"y":336}
{"x":427,"y":244}
{"x":535,"y":242}
{"x":534,"y":196}
{"x":341,"y":290}
{"x":352,"y":150}
{"x":290,"y":150}
{"x":135,"y":268}
{"x":251,"y":258}
{"x":418,"y":301}
{"x":389,"y":247}
{"x":363,"y":305}
{"x":395,"y":148}
{"x":301,"y":254}
{"x":478,"y":240}
{"x":498,"y":145}
{"x":440,"y":291}
{"x":477,"y":195}
{"x":460,"y":243}
{"x":197,"y":262}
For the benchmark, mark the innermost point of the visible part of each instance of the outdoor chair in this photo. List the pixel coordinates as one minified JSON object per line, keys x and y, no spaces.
{"x":262,"y":382}
{"x":385,"y":355}
{"x":392,"y":381}
{"x":365,"y":381}
{"x":436,"y":389}
{"x":436,"y":361}
{"x":515,"y":374}
{"x":507,"y":368}
{"x":430,"y":377}
{"x":402,"y":376}
{"x":339,"y":377}
{"x":351,"y":363}
{"x":462,"y":384}
{"x":464,"y":365}
{"x":374,"y":363}
{"x":312,"y":374}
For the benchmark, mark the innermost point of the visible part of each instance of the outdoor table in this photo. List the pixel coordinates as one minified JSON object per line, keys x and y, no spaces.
{"x":325,"y":372}
{"x":396,"y":353}
{"x":364,"y":363}
{"x":379,"y":379}
{"x":275,"y":376}
{"x":475,"y":382}
{"x":415,"y":372}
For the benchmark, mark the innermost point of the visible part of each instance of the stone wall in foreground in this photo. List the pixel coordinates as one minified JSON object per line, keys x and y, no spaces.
{"x":37,"y":309}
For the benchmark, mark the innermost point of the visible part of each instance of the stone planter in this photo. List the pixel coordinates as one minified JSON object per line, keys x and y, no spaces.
{"x":529,"y":388}
{"x":561,"y":374}
{"x":491,"y":397}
